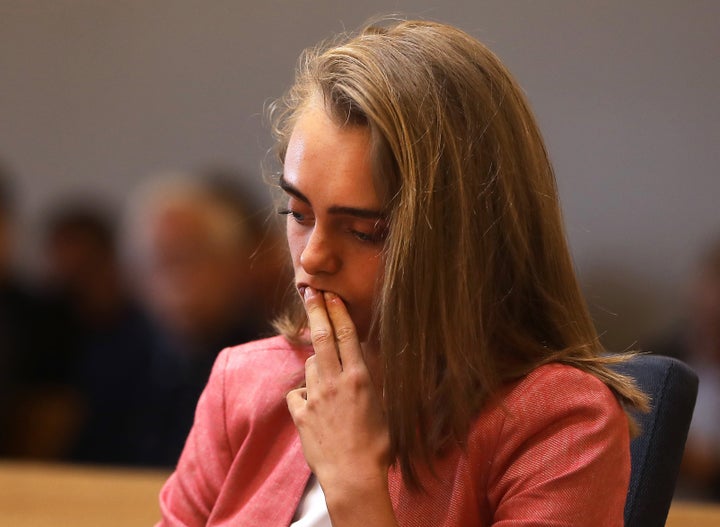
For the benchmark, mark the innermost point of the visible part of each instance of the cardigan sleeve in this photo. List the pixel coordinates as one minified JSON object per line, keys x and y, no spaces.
{"x":189,"y":495}
{"x":563,"y":454}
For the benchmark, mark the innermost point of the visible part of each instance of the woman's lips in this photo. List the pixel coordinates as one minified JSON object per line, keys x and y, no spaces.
{"x":302,"y":287}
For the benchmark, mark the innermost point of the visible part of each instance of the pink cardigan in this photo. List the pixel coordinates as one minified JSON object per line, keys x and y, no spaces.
{"x":554,"y":451}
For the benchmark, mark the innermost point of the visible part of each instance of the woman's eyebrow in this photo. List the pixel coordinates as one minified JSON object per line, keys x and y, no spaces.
{"x":366,"y":214}
{"x":287,"y":187}
{"x":358,"y":212}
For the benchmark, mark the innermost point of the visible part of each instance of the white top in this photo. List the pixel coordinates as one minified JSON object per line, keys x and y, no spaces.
{"x":312,"y":510}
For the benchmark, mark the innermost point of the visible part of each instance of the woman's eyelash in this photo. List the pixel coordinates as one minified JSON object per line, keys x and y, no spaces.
{"x":364,"y":236}
{"x":376,"y":236}
{"x":288,"y":212}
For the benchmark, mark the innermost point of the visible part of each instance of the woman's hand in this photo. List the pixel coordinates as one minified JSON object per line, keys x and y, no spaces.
{"x":339,"y":417}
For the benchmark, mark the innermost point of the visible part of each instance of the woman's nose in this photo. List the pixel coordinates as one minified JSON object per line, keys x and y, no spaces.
{"x":319,"y":255}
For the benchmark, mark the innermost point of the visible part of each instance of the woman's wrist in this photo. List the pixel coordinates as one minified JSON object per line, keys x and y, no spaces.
{"x":355,"y":498}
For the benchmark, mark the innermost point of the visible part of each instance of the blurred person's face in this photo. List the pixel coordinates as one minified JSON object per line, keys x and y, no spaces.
{"x":194,"y":284}
{"x":81,"y":266}
{"x":72,"y":257}
{"x":335,"y":228}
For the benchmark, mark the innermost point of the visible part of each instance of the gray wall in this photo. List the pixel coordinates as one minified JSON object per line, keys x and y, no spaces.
{"x":95,"y":95}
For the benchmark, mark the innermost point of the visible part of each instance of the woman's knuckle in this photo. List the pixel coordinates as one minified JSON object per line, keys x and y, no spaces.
{"x":357,"y":378}
{"x":345,"y":334}
{"x":330,"y":390}
{"x":320,"y":336}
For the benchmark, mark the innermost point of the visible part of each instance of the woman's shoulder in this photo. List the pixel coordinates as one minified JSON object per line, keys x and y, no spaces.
{"x":553,"y":396}
{"x":559,"y":380}
{"x":554,"y":391}
{"x":268,"y":364}
{"x":276,"y":351}
{"x":559,"y":434}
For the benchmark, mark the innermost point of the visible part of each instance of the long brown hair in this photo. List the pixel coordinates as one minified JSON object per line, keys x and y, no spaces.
{"x":479,"y":287}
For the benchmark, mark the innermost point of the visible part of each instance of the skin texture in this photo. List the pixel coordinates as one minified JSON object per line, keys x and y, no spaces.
{"x":334,"y":231}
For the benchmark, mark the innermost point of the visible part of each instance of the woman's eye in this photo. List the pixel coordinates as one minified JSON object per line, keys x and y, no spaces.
{"x":363,"y":236}
{"x":295,"y":215}
{"x":376,"y":236}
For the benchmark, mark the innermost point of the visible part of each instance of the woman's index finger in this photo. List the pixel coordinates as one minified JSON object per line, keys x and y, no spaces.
{"x":346,"y":336}
{"x":321,"y":332}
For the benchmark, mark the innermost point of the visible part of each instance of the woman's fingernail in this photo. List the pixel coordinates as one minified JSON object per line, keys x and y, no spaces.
{"x":307,"y":293}
{"x":330,"y":296}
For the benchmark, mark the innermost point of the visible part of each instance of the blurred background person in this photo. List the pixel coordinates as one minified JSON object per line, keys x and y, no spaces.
{"x":39,"y":408}
{"x":697,"y":342}
{"x":16,"y":317}
{"x":107,"y":338}
{"x":204,"y":266}
{"x":11,"y":298}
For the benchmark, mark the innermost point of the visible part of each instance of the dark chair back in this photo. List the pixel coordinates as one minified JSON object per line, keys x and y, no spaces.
{"x":656,"y":453}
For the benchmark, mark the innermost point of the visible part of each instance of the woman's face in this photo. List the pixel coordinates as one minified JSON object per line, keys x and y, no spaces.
{"x":335,"y":225}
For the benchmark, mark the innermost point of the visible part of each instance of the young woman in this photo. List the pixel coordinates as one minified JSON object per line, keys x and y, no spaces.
{"x":438,"y":365}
